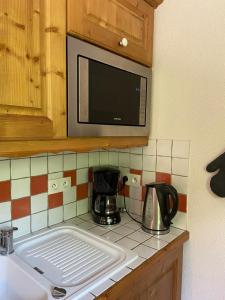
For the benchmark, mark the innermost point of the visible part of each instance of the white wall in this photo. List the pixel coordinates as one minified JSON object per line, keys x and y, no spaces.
{"x":189,"y":103}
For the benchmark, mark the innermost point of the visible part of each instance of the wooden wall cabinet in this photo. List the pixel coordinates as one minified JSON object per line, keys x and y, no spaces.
{"x":106,"y":23}
{"x":158,"y":278}
{"x":154,"y":3}
{"x":32,"y":69}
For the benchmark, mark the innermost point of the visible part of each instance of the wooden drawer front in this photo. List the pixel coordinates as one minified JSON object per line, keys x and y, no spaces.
{"x":106,"y":22}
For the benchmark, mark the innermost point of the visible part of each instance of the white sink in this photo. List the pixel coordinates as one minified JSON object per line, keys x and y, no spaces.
{"x":16,"y":284}
{"x":70,"y":258}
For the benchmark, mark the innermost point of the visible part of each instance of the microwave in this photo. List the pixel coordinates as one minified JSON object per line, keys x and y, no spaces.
{"x":108,"y":95}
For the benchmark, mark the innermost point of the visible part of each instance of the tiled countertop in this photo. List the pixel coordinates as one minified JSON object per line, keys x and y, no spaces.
{"x":128,"y":234}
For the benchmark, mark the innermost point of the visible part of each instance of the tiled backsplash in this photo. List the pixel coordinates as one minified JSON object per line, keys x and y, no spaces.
{"x":24,"y":199}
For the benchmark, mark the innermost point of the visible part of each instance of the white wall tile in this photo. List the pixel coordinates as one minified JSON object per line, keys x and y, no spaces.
{"x":5,"y":211}
{"x":136,"y":150}
{"x":136,"y":161}
{"x":55,"y":175}
{"x":135,"y":192}
{"x":180,"y":220}
{"x":93,"y":159}
{"x":163,"y":164}
{"x":39,"y":221}
{"x":180,"y":166}
{"x":39,"y":203}
{"x":82,"y":206}
{"x":114,"y":158}
{"x":148,"y":177}
{"x":39,"y":166}
{"x":134,"y":206}
{"x":82,"y":160}
{"x":180,"y":184}
{"x":20,"y":168}
{"x":181,"y":149}
{"x":70,"y":195}
{"x":151,"y":148}
{"x":20,"y":188}
{"x":104,"y":158}
{"x":125,"y":150}
{"x":55,"y":215}
{"x":23,"y":226}
{"x":55,"y":163}
{"x":69,"y":161}
{"x":70,"y":211}
{"x":4,"y":170}
{"x":164,"y":147}
{"x":82,"y":175}
{"x":124,"y":171}
{"x":149,"y":163}
{"x":124,"y":159}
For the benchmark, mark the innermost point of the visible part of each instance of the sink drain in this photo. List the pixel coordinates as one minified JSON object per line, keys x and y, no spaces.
{"x":58,"y":293}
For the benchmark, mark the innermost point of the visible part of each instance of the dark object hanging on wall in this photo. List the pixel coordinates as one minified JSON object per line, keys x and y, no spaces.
{"x":217,"y":182}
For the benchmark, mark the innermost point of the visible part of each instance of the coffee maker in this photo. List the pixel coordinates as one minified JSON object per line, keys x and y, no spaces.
{"x":105,"y":188}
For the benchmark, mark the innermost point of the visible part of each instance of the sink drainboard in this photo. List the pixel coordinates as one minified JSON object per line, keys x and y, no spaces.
{"x":68,"y":257}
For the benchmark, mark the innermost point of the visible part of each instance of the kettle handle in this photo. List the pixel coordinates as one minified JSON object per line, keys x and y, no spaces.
{"x":170,"y":190}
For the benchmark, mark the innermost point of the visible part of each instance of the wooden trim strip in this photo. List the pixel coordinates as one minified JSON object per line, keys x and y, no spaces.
{"x":84,"y":144}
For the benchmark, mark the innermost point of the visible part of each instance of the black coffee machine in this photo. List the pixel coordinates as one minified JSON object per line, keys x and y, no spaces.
{"x":105,"y":188}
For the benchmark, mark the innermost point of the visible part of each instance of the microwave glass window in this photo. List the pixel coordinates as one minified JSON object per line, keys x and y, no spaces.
{"x":114,"y":95}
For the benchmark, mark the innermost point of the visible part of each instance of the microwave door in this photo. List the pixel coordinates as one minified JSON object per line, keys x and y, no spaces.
{"x":109,"y":95}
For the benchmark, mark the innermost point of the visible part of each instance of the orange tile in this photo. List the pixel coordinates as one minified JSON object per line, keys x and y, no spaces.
{"x":137,"y":172}
{"x":5,"y":191}
{"x":125,"y":191}
{"x":73,"y":175}
{"x":55,"y":200}
{"x":163,"y":177}
{"x":182,"y":202}
{"x":20,"y":208}
{"x":39,"y":184}
{"x":82,"y":191}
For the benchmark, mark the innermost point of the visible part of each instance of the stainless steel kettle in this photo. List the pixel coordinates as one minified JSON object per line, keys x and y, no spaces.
{"x":160,"y":207}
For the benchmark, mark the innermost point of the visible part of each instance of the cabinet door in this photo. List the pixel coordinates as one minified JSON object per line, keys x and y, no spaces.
{"x":107,"y":22}
{"x":32,"y":69}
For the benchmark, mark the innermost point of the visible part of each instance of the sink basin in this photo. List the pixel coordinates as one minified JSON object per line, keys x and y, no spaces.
{"x":16,"y":284}
{"x":71,"y":258}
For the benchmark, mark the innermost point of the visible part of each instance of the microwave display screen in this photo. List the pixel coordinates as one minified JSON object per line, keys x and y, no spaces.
{"x":113,"y":96}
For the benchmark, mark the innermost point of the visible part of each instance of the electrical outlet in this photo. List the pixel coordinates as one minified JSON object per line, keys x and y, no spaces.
{"x":59,"y":185}
{"x":133,"y":180}
{"x":53,"y":186}
{"x":65,"y":183}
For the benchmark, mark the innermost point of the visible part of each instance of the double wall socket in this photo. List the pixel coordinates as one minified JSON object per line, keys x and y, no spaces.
{"x":59,"y":185}
{"x":133,"y":180}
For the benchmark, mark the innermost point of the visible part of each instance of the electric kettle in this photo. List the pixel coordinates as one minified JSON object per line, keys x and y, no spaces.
{"x":160,"y":207}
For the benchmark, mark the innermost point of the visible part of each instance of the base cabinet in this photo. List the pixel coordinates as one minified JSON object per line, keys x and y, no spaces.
{"x":158,"y":278}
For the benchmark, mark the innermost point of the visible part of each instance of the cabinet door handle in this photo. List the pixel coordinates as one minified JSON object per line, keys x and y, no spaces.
{"x":123,"y":42}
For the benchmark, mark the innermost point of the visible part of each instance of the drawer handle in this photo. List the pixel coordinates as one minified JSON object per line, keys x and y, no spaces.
{"x":124,"y":42}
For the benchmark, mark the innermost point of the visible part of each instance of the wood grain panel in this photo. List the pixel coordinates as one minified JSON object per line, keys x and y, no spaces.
{"x":154,"y":3}
{"x":27,"y":148}
{"x":105,"y":23}
{"x":32,"y":67}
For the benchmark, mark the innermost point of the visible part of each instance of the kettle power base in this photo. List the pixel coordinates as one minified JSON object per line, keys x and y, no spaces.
{"x":155,"y":232}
